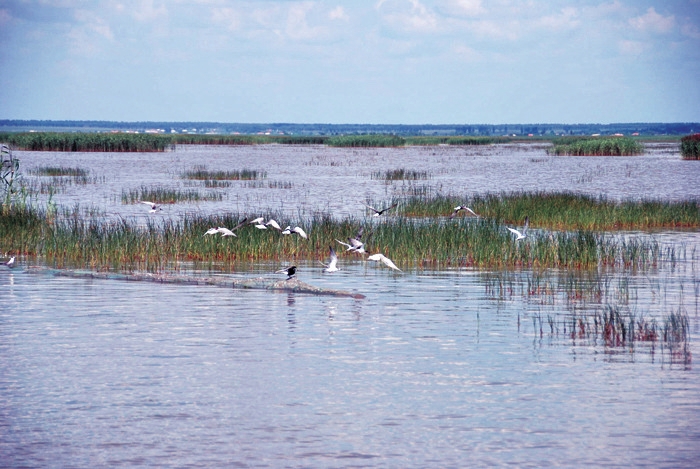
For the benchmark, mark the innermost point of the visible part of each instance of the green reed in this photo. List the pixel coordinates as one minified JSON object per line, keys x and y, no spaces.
{"x":201,"y":173}
{"x":563,"y":210}
{"x":58,"y":171}
{"x":454,"y":140}
{"x":373,"y":140}
{"x":401,"y":174}
{"x":690,"y":147}
{"x":409,"y":242}
{"x":164,"y":195}
{"x":88,"y":142}
{"x":597,"y":146}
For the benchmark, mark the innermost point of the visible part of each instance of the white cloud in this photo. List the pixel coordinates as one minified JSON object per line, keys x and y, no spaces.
{"x":227,"y":16}
{"x":629,"y":47}
{"x":338,"y":13}
{"x":690,"y":30}
{"x":651,"y":21}
{"x":464,"y":7}
{"x":567,"y":18}
{"x":408,"y":15}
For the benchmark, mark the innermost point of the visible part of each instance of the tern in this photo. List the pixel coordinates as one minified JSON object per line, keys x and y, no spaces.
{"x":290,"y":271}
{"x":256,"y":221}
{"x":332,"y":265}
{"x":520,"y":235}
{"x":287,"y":230}
{"x":379,"y":212}
{"x":355,"y":245}
{"x":211,"y":231}
{"x":9,"y":263}
{"x":379,"y":257}
{"x":273,"y":224}
{"x":463,"y":207}
{"x":300,"y":232}
{"x":154,"y":207}
{"x":225,"y":232}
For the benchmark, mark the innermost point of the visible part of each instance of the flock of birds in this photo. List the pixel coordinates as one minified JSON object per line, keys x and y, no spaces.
{"x":355,"y":244}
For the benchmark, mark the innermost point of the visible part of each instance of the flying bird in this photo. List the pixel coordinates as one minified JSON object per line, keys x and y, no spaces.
{"x":290,"y":271}
{"x":379,"y":257}
{"x":154,"y":207}
{"x":9,"y":263}
{"x":225,"y":232}
{"x":520,"y":235}
{"x":458,"y":208}
{"x":354,"y":244}
{"x":256,"y":221}
{"x":273,"y":224}
{"x":300,"y":232}
{"x":379,"y":212}
{"x":332,"y":265}
{"x":287,"y":230}
{"x":211,"y":231}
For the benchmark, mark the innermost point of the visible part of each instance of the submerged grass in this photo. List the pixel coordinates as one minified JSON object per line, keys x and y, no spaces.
{"x":690,"y":147}
{"x":59,"y":171}
{"x":563,"y":210}
{"x":76,"y":240}
{"x":401,"y":174}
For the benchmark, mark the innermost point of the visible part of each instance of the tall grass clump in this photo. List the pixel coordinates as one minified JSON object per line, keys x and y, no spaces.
{"x":163,"y":195}
{"x":59,"y":171}
{"x":454,"y":140}
{"x":596,"y":146}
{"x":9,"y":177}
{"x":202,"y":174}
{"x":401,"y":174}
{"x":563,"y":210}
{"x":92,"y":241}
{"x":87,"y":142}
{"x":690,"y":147}
{"x":372,"y":140}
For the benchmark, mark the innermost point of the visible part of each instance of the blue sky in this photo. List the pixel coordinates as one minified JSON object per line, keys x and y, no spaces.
{"x":381,"y":61}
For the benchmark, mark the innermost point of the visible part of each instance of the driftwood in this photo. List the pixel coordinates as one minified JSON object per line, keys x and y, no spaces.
{"x":261,"y":283}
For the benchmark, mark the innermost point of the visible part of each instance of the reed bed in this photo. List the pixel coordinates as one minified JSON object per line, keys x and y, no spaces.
{"x":95,"y":242}
{"x":164,"y":195}
{"x":597,"y":146}
{"x":87,"y":142}
{"x":690,"y":147}
{"x":202,"y":174}
{"x":563,"y":210}
{"x":454,"y":140}
{"x":59,"y":171}
{"x":373,"y":140}
{"x":401,"y":174}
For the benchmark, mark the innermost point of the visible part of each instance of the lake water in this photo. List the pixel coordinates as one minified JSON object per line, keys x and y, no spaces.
{"x":434,"y":368}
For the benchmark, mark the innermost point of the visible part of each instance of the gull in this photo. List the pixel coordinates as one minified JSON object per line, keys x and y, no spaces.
{"x":520,"y":235}
{"x":290,"y":271}
{"x":355,"y":244}
{"x":226,"y":231}
{"x":300,"y":232}
{"x":154,"y":207}
{"x":273,"y":224}
{"x":287,"y":230}
{"x":257,"y":221}
{"x":211,"y":231}
{"x":379,"y":257}
{"x":332,"y":264}
{"x":261,"y":226}
{"x":463,"y":207}
{"x":9,"y":263}
{"x":378,"y":212}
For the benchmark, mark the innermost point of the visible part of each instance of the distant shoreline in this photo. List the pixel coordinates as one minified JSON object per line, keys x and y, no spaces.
{"x":222,"y":128}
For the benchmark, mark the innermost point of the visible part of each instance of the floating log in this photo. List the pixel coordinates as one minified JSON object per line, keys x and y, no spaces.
{"x":260,"y":283}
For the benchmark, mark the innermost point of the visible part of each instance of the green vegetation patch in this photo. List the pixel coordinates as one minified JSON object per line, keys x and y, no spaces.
{"x":690,"y":147}
{"x":597,"y":146}
{"x":163,"y":195}
{"x":373,"y":140}
{"x":88,"y":142}
{"x":200,"y":173}
{"x":563,"y":210}
{"x":59,"y":171}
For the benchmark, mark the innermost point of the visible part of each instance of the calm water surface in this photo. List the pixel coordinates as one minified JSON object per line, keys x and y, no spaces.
{"x":452,"y":368}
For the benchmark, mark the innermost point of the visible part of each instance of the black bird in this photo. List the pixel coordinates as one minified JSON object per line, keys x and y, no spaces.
{"x":290,"y":271}
{"x":378,"y":212}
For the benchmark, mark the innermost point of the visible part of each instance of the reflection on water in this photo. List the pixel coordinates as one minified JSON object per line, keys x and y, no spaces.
{"x":433,"y":369}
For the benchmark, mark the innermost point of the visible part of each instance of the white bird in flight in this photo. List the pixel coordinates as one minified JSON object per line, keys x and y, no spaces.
{"x":273,"y":224}
{"x":300,"y":232}
{"x":332,"y":265}
{"x":154,"y":207}
{"x":520,"y":235}
{"x":379,"y":257}
{"x":355,"y":244}
{"x":9,"y":263}
{"x":378,"y":212}
{"x":463,"y":207}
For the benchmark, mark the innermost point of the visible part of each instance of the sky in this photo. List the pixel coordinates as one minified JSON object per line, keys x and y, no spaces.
{"x":351,"y":62}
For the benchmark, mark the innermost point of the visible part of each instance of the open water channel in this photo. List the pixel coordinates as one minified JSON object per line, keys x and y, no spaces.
{"x":433,"y":368}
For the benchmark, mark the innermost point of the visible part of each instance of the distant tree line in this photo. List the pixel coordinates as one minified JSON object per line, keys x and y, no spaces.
{"x":195,"y":128}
